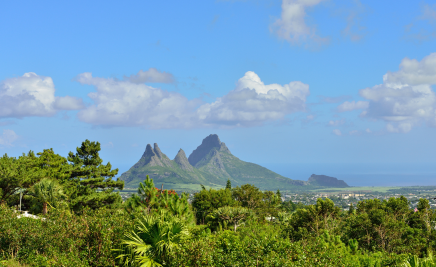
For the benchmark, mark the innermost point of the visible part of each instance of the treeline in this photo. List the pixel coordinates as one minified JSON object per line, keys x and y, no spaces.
{"x":85,"y":223}
{"x":48,"y":179}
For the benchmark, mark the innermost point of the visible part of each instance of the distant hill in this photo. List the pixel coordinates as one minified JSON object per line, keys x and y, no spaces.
{"x":212,"y":164}
{"x":324,"y":180}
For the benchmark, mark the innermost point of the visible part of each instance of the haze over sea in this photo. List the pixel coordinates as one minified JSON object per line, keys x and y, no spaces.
{"x":358,"y":174}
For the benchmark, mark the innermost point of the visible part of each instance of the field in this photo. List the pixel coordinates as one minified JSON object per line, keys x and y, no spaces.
{"x":382,"y":189}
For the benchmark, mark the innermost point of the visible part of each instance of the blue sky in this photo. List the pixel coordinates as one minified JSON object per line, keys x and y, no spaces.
{"x":292,"y":82}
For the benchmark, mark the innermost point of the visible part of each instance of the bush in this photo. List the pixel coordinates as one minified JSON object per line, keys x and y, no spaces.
{"x":63,"y":239}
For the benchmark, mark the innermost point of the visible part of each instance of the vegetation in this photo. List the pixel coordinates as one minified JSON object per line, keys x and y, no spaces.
{"x":82,"y":222}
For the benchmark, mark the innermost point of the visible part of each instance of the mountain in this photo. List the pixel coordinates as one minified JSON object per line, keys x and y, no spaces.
{"x":212,"y":164}
{"x":163,"y":170}
{"x":213,"y":157}
{"x":324,"y":180}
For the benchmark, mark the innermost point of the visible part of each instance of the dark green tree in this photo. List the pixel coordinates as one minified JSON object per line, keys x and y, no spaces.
{"x":91,"y":181}
{"x":278,"y":193}
{"x":229,"y":184}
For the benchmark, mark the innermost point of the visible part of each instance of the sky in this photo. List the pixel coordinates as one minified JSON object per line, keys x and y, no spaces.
{"x":334,"y":87}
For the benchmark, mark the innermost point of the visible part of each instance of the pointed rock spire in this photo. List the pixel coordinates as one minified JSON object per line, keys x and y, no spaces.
{"x":148,"y":152}
{"x":157,"y":151}
{"x":209,"y":143}
{"x":182,"y":161}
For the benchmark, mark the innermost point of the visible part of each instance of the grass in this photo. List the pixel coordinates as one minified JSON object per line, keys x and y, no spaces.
{"x":11,"y":263}
{"x":382,"y":189}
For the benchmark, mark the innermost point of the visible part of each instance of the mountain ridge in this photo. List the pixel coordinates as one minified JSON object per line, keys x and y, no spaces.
{"x":212,"y":164}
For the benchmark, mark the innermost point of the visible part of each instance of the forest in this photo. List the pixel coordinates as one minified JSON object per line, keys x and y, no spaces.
{"x":82,"y":221}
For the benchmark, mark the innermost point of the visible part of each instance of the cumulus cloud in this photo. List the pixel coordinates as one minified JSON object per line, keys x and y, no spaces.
{"x":8,"y":137}
{"x":337,"y":132}
{"x":32,"y":95}
{"x":292,"y":26}
{"x":405,"y":98}
{"x":123,"y":103}
{"x":413,"y":72}
{"x":252,"y":102}
{"x":151,"y":75}
{"x":353,"y":105}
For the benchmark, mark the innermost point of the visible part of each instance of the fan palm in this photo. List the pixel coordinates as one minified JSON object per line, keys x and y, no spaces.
{"x":47,"y":191}
{"x":153,"y":240}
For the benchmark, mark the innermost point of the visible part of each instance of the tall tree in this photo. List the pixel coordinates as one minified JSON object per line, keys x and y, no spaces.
{"x":229,"y":185}
{"x":92,"y":179}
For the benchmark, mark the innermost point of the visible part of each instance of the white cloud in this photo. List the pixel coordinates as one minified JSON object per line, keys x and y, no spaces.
{"x":292,"y":25}
{"x":337,"y":132}
{"x":32,"y":95}
{"x":152,"y":75}
{"x":413,"y":72}
{"x":354,"y":132}
{"x":8,"y":137}
{"x":368,"y":130}
{"x":405,"y":98}
{"x":349,"y":106}
{"x":123,"y":103}
{"x":252,"y":102}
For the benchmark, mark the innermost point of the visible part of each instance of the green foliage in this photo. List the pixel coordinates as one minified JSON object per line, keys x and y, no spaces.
{"x":46,"y":192}
{"x":90,"y":183}
{"x":224,"y":216}
{"x":207,"y":201}
{"x":63,"y":239}
{"x":18,"y":173}
{"x":153,"y":240}
{"x":229,"y":185}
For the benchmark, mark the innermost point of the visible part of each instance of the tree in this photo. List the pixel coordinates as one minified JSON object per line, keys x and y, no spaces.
{"x":18,"y":173}
{"x":249,"y":196}
{"x":206,"y":201}
{"x":278,"y":193}
{"x":91,"y":181}
{"x":148,"y":193}
{"x":47,"y":191}
{"x":229,"y":184}
{"x":228,"y":215}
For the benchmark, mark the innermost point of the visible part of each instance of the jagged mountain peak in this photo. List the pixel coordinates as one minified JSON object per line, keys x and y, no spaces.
{"x":149,"y":152}
{"x":208,"y":143}
{"x":158,"y":151}
{"x":182,"y":161}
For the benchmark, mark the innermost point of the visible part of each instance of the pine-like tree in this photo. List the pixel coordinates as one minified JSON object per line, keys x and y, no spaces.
{"x":92,"y":180}
{"x":229,"y":185}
